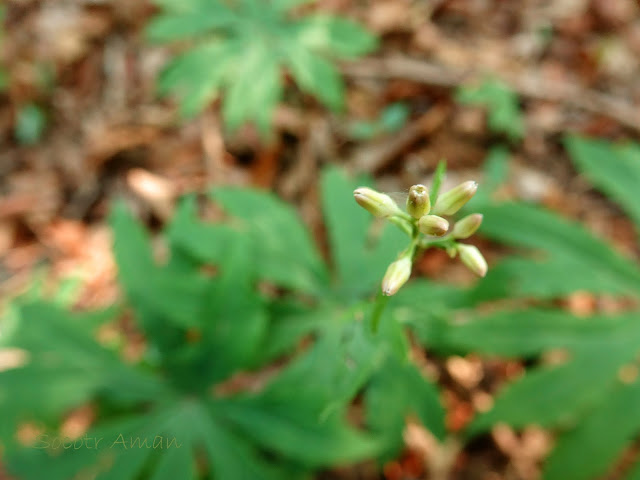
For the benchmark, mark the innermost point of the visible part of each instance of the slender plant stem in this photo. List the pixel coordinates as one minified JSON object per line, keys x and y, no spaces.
{"x":438,"y":177}
{"x":402,"y":223}
{"x":378,"y":308}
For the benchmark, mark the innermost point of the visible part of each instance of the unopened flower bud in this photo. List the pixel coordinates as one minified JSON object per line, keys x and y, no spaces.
{"x":467,"y":226}
{"x":450,"y":202}
{"x":473,"y":259}
{"x":376,"y":203}
{"x":433,"y":225}
{"x":397,"y":275}
{"x":418,"y":203}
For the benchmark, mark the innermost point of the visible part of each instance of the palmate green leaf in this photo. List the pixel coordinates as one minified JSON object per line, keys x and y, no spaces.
{"x":249,"y":98}
{"x":291,"y":430}
{"x":290,"y":322}
{"x":109,"y":460}
{"x":341,"y":361}
{"x":31,"y":122}
{"x":316,"y":75}
{"x":237,"y":317}
{"x":425,"y":307}
{"x":573,"y":259}
{"x":612,"y":168}
{"x":324,"y":380}
{"x":183,"y":6}
{"x":588,"y":451}
{"x":285,"y":253}
{"x":526,"y":333}
{"x":248,"y":40}
{"x":358,"y":260}
{"x":194,"y":20}
{"x":334,"y":35}
{"x":197,"y":75}
{"x":503,"y":105}
{"x":562,"y":396}
{"x":161,"y":295}
{"x":284,"y":5}
{"x":397,"y":391}
{"x":206,"y":243}
{"x":232,"y":456}
{"x":64,"y":366}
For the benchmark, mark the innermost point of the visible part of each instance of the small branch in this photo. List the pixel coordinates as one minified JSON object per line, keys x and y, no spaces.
{"x":528,"y":84}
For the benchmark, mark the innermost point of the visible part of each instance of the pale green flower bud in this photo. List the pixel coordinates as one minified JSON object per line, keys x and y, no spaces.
{"x":433,"y":225}
{"x":397,"y":275}
{"x":450,"y":202}
{"x":418,"y":203}
{"x":376,"y":203}
{"x":467,"y":226}
{"x":473,"y":259}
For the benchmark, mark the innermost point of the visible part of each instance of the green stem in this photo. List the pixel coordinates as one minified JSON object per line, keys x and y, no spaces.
{"x":402,"y":224}
{"x":378,"y":308}
{"x":443,"y":242}
{"x":438,"y":176}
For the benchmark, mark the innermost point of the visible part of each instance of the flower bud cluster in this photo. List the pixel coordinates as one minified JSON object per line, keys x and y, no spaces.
{"x":421,"y":218}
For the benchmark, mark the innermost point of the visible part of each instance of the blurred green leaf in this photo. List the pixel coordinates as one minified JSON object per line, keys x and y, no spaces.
{"x":334,"y":36}
{"x":564,"y":395}
{"x":502,"y":103}
{"x":233,"y":44}
{"x":290,"y":430}
{"x":392,"y":118}
{"x":316,"y":75}
{"x":571,"y":255}
{"x":64,"y":367}
{"x":358,"y":260}
{"x":31,"y":122}
{"x":285,"y":253}
{"x":581,"y":453}
{"x":397,"y":391}
{"x":614,"y":169}
{"x":525,"y":333}
{"x":162,"y":294}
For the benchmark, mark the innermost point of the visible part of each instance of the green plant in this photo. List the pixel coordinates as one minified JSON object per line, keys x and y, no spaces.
{"x":502,"y":104}
{"x":241,"y":47}
{"x":391,"y":119}
{"x":200,"y":329}
{"x":30,"y":124}
{"x":591,"y":398}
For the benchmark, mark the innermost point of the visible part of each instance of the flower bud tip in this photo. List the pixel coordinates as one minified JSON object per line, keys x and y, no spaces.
{"x":473,"y":259}
{"x":467,"y":226}
{"x":433,"y":225}
{"x":376,"y":203}
{"x":450,"y":202}
{"x":397,"y":275}
{"x":418,"y":202}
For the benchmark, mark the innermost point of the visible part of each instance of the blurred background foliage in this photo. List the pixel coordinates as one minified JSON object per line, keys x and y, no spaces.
{"x":181,"y":256}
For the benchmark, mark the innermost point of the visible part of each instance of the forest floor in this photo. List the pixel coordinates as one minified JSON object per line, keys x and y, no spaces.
{"x":574,"y":65}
